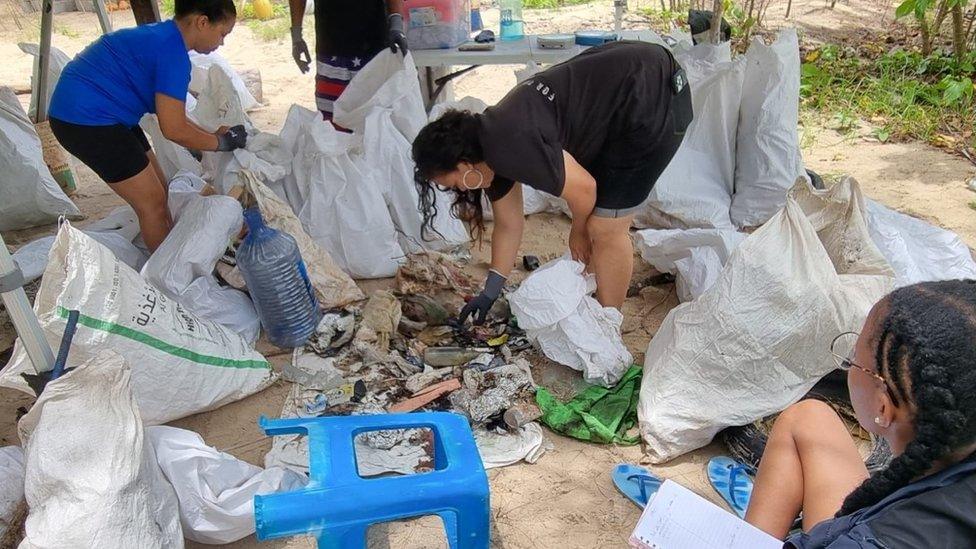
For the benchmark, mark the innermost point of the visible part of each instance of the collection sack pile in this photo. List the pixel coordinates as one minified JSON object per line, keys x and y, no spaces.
{"x":92,"y":479}
{"x":29,"y":195}
{"x":758,"y":339}
{"x":741,"y":153}
{"x":181,"y":364}
{"x":183,"y":265}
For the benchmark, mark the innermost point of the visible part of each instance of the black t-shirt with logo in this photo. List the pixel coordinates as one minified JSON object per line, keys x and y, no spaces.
{"x":350,"y":27}
{"x":583,"y":106}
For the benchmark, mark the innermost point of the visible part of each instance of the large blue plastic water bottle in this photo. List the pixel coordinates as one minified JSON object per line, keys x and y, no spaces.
{"x":275,"y":275}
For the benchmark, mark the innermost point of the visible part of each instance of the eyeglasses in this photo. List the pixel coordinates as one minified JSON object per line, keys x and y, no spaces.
{"x":842,"y":349}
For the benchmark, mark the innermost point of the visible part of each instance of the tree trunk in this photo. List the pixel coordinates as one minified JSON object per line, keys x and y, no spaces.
{"x":971,"y":29}
{"x":752,"y":4}
{"x":935,"y":30}
{"x":145,"y":11}
{"x":833,"y":3}
{"x":958,"y":32}
{"x":789,"y":6}
{"x":715,"y":33}
{"x":923,"y":25}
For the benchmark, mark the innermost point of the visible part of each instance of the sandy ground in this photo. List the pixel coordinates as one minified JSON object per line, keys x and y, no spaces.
{"x":567,"y":498}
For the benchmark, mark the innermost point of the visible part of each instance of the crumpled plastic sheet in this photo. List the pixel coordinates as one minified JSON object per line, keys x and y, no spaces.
{"x":11,"y":483}
{"x":215,"y":490}
{"x":696,"y":256}
{"x":554,"y":307}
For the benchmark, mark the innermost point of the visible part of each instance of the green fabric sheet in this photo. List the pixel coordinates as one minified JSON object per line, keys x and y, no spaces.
{"x":597,"y":414}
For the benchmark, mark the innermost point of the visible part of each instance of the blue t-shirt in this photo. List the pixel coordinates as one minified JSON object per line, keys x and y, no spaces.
{"x":115,"y":79}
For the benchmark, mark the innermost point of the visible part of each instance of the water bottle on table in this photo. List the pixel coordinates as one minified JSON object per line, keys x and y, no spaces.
{"x":275,"y":275}
{"x":512,"y":26}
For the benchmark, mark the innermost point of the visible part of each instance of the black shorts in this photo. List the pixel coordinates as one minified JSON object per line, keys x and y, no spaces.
{"x":115,"y":153}
{"x":627,"y":168}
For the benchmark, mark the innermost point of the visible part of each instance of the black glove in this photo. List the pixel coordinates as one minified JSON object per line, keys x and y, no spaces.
{"x":300,"y":48}
{"x":482,"y":303}
{"x":396,"y":39}
{"x":234,"y":138}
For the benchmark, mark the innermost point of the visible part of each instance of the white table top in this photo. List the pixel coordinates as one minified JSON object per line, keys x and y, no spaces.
{"x":514,"y":52}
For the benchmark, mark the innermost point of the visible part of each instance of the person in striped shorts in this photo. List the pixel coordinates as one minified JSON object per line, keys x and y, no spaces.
{"x":348,"y":33}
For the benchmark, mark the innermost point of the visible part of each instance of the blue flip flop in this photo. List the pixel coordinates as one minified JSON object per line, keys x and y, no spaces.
{"x":637,"y":483}
{"x":732,"y":481}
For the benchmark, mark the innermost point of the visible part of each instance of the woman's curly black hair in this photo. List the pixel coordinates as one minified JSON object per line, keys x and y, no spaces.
{"x":438,"y":149}
{"x":927,"y":353}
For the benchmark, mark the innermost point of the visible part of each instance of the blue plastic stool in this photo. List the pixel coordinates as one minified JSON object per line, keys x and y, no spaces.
{"x":338,"y":505}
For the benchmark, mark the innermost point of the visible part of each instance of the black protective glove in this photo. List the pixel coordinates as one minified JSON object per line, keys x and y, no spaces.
{"x":299,"y":48}
{"x":396,"y":40}
{"x":234,"y":138}
{"x":482,"y":303}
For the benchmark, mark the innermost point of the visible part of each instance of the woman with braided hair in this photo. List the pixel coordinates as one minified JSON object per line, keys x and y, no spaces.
{"x":912,"y":379}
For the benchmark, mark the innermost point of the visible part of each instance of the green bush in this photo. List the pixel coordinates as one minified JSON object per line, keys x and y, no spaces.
{"x":542,"y":4}
{"x":909,"y":95}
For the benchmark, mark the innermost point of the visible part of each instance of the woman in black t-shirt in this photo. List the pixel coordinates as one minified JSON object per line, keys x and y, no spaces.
{"x":597,"y":130}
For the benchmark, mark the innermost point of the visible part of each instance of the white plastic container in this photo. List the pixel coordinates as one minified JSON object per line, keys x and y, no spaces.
{"x":436,"y":24}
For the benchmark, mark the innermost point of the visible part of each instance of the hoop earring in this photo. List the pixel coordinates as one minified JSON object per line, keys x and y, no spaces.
{"x":464,"y":180}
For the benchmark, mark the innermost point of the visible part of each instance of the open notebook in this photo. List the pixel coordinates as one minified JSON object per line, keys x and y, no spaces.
{"x":677,"y":518}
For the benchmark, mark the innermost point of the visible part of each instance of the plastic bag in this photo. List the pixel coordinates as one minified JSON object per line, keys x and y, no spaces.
{"x":32,"y":257}
{"x":767,"y":153}
{"x":218,"y":104}
{"x":215,"y":490}
{"x":181,"y":364}
{"x":388,"y":80}
{"x":172,"y":158}
{"x":384,"y":104}
{"x":92,"y":478}
{"x":56,"y":63}
{"x":333,"y":287}
{"x":339,"y":210}
{"x":202,"y":63}
{"x":388,"y":153}
{"x":695,"y":190}
{"x":29,"y":195}
{"x":916,"y":250}
{"x":183,"y":265}
{"x":11,"y":484}
{"x":468,"y":103}
{"x":696,"y":256}
{"x":554,"y":307}
{"x":759,"y":338}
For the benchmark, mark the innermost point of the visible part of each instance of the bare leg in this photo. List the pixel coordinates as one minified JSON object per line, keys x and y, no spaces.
{"x":611,"y":258}
{"x":810,"y":464}
{"x":147,"y":196}
{"x":154,"y":162}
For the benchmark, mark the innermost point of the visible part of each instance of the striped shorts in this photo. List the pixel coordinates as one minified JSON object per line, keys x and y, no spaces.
{"x":332,"y":75}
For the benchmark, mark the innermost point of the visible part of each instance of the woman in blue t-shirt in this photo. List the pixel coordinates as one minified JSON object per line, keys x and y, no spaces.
{"x":104,"y":92}
{"x":912,"y":378}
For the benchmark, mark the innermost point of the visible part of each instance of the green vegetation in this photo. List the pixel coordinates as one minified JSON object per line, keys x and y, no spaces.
{"x":66,"y":31}
{"x":245,"y":11}
{"x":271,"y":30}
{"x":904,"y":94}
{"x":543,"y":4}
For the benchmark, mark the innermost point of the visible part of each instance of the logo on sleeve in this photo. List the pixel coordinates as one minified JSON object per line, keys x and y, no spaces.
{"x":542,"y":88}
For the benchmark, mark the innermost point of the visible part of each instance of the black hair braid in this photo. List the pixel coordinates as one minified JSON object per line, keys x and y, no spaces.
{"x":438,"y":149}
{"x":926,"y":351}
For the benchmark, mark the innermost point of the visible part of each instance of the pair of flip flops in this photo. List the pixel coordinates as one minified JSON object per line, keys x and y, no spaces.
{"x":728,"y":477}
